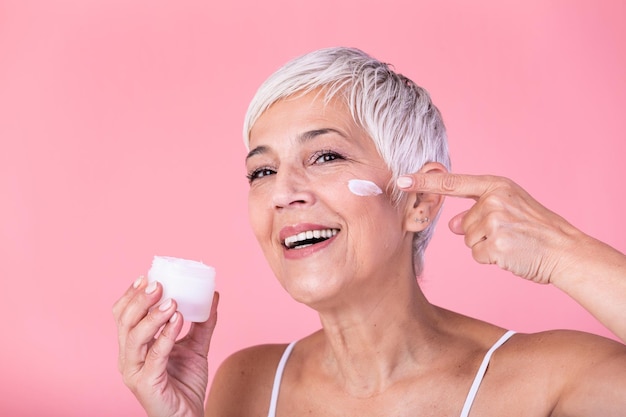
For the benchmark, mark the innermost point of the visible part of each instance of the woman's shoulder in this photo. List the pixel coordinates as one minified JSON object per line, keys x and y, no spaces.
{"x":565,"y":371}
{"x":574,"y":370}
{"x":547,"y":343}
{"x":255,"y":359}
{"x":563,"y":355}
{"x":252,"y":365}
{"x":566,"y":345}
{"x":242,"y":384}
{"x":567,"y":356}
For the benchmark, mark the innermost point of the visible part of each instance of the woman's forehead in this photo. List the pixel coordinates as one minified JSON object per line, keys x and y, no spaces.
{"x":298,"y":115}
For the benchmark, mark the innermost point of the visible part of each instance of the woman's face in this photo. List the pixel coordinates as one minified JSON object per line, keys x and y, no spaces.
{"x":317,"y":235}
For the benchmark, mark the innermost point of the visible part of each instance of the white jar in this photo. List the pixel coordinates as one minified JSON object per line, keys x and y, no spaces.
{"x":190,"y":283}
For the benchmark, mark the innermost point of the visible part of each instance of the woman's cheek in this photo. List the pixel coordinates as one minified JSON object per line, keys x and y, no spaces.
{"x":363,"y":188}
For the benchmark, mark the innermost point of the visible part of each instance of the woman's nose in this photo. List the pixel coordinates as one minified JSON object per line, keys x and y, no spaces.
{"x":291,"y":188}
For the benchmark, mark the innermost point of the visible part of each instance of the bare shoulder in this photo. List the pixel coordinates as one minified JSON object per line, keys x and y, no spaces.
{"x":578,"y":349}
{"x":548,"y":349}
{"x":243,"y":383}
{"x":563,"y":355}
{"x":552,"y":373}
{"x":577,"y":373}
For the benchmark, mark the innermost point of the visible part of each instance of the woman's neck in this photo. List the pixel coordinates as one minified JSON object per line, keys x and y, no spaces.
{"x":369,"y":344}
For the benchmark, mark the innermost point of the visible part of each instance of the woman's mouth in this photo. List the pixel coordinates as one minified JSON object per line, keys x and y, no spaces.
{"x":308,"y":238}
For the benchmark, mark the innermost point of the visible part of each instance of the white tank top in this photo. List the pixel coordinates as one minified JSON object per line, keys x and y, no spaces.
{"x":468,"y":401}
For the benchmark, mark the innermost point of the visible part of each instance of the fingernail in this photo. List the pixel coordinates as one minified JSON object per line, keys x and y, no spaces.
{"x":174,"y":317}
{"x":165,"y":304}
{"x":151,"y":287}
{"x":404,"y":181}
{"x":137,"y":282}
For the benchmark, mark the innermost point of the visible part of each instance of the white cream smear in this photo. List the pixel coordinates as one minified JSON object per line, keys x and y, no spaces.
{"x":364,"y":188}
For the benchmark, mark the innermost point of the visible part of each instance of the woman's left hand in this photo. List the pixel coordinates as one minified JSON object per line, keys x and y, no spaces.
{"x":509,"y":228}
{"x":506,"y":226}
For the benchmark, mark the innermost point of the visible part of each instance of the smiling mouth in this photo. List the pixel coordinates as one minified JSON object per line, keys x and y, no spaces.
{"x":308,"y":238}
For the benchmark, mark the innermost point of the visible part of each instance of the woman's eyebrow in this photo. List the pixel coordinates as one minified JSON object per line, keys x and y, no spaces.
{"x":303,"y":137}
{"x":259,"y":150}
{"x":311,"y":134}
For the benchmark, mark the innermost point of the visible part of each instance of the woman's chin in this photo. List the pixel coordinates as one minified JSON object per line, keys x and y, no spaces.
{"x":314,"y":291}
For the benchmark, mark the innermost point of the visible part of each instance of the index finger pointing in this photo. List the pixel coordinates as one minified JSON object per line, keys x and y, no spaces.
{"x":457,"y":185}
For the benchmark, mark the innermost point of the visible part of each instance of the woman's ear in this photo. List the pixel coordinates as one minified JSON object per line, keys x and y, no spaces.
{"x":422,"y":208}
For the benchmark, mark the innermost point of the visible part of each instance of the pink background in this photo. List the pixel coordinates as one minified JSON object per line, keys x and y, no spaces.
{"x":120,"y":133}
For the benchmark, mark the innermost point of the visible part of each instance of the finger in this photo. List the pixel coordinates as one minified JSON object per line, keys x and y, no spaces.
{"x":457,"y":185}
{"x":484,"y":221}
{"x":141,"y":340}
{"x":158,"y":354}
{"x":122,"y":302}
{"x":472,"y":240}
{"x":456,"y":223}
{"x":200,"y":334}
{"x":143,"y":298}
{"x":495,"y":249}
{"x":481,"y":252}
{"x":130,"y":309}
{"x":143,"y":325}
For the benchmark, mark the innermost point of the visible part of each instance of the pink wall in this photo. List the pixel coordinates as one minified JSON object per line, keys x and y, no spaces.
{"x":120,"y":139}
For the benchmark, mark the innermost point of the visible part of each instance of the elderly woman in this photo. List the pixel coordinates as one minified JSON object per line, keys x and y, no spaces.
{"x":332,"y":136}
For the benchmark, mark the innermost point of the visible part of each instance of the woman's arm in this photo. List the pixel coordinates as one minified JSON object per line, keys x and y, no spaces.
{"x":509,"y":228}
{"x":594,"y":274}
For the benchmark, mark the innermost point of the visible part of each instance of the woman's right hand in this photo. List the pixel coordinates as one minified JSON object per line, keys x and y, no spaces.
{"x":168,"y":377}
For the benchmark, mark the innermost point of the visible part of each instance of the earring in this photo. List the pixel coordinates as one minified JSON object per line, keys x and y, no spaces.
{"x":424,"y":220}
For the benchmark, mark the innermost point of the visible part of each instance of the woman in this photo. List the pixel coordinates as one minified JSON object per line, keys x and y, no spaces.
{"x":331,"y":136}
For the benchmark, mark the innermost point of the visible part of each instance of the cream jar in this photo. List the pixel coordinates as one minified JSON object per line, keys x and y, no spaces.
{"x":190,"y":283}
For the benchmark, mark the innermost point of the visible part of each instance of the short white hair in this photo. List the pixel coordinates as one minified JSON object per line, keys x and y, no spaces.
{"x":397,"y":114}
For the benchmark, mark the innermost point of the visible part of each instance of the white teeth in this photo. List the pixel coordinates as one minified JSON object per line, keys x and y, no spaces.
{"x":292,"y":241}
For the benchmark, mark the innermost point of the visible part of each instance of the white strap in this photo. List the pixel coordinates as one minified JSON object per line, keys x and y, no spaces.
{"x":277,"y":378}
{"x":481,"y":373}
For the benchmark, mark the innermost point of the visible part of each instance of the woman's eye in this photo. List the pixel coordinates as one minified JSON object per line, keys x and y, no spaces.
{"x":259,"y":173}
{"x":326,"y":156}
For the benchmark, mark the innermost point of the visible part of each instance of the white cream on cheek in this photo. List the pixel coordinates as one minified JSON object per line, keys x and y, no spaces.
{"x":363,"y":188}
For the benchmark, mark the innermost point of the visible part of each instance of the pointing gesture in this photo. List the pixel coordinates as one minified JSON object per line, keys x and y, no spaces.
{"x":506,"y":226}
{"x":509,"y":228}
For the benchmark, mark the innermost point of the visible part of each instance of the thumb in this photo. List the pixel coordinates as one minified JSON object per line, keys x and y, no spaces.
{"x":456,"y":223}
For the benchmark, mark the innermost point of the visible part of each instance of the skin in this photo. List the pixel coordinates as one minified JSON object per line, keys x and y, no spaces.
{"x":505,"y":218}
{"x":383,"y":348}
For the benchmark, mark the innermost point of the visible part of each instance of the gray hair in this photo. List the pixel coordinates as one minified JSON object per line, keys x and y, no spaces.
{"x":397,"y":114}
